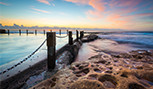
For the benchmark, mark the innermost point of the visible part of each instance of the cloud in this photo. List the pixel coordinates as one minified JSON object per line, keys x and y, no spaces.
{"x":97,"y":5}
{"x":44,"y":1}
{"x":102,"y":8}
{"x":4,"y":4}
{"x":145,"y":14}
{"x":124,"y":3}
{"x":35,"y":12}
{"x":43,"y":11}
{"x":53,"y":4}
{"x":79,"y":1}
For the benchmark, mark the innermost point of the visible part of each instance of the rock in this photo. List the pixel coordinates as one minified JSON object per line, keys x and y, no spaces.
{"x":87,"y":84}
{"x":126,"y":72}
{"x":89,"y":38}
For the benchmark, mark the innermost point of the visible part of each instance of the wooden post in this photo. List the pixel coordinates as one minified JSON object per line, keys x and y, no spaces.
{"x":81,"y":34}
{"x":35,"y":32}
{"x":27,"y":32}
{"x":60,"y":31}
{"x":70,"y":38}
{"x":19,"y":32}
{"x":8,"y":31}
{"x":44,"y":32}
{"x":67,"y":32}
{"x":51,"y":47}
{"x":77,"y":35}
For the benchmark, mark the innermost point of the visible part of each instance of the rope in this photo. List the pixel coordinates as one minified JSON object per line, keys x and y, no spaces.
{"x":24,"y":58}
{"x":61,"y":36}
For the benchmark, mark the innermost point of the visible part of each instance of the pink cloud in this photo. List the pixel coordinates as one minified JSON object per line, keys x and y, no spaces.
{"x":97,"y":5}
{"x":145,"y":14}
{"x":115,"y":18}
{"x":44,"y":1}
{"x":113,"y":11}
{"x":4,"y":4}
{"x":124,"y":3}
{"x":93,"y":14}
{"x":43,"y":11}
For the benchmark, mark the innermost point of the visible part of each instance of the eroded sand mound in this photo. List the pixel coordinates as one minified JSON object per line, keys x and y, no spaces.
{"x":133,"y":70}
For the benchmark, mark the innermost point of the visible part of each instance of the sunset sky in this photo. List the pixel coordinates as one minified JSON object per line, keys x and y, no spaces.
{"x":103,"y":14}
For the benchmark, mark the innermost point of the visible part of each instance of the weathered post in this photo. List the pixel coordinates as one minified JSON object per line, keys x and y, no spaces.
{"x":77,"y":35}
{"x":60,"y":31}
{"x":67,"y":32}
{"x":8,"y":31}
{"x":51,"y":46}
{"x":35,"y":32}
{"x":70,"y":38}
{"x":44,"y":32}
{"x":81,"y":34}
{"x":19,"y":32}
{"x":27,"y":32}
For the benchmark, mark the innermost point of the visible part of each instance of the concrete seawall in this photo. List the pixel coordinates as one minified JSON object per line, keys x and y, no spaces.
{"x":64,"y":56}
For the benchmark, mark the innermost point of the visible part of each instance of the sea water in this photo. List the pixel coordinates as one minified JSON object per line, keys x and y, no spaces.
{"x":14,"y":48}
{"x":116,"y":42}
{"x":142,"y":40}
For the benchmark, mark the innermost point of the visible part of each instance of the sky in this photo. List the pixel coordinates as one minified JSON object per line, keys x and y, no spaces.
{"x":101,"y":14}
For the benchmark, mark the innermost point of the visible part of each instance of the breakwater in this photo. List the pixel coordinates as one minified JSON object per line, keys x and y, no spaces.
{"x":64,"y":56}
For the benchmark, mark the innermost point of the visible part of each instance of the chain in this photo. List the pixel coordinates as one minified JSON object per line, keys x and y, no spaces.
{"x":24,"y":58}
{"x":61,"y":36}
{"x":29,"y":55}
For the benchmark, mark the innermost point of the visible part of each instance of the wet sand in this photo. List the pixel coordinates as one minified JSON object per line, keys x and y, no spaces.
{"x":105,"y":69}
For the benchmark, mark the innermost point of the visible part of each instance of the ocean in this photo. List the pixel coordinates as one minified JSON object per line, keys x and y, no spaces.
{"x":140,"y":40}
{"x":116,"y":42}
{"x":14,"y":48}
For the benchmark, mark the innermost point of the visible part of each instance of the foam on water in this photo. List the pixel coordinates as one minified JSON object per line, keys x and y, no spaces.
{"x":141,"y":39}
{"x":116,"y":43}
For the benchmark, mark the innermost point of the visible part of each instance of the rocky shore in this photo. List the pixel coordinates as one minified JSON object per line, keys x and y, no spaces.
{"x":131,"y":70}
{"x":105,"y":70}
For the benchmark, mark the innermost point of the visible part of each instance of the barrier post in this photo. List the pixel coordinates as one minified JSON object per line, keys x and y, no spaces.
{"x":27,"y":32}
{"x":51,"y":49}
{"x":44,"y":32}
{"x":67,"y":32}
{"x":60,"y":31}
{"x":35,"y":32}
{"x":80,"y":34}
{"x":19,"y":32}
{"x":77,"y":35}
{"x":8,"y":31}
{"x":70,"y":38}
